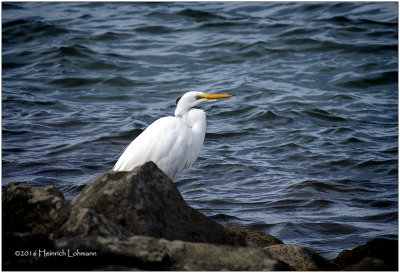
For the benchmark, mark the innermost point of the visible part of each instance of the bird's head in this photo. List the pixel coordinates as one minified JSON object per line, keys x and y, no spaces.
{"x":192,"y":99}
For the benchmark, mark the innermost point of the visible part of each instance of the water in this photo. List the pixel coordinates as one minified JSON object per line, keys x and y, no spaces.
{"x":307,"y":150}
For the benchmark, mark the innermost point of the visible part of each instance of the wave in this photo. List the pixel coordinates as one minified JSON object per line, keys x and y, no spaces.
{"x":26,"y":30}
{"x":199,"y":15}
{"x":154,"y":29}
{"x":372,"y":81}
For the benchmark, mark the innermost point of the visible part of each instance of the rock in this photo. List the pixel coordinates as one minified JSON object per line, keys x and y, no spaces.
{"x":146,"y":202}
{"x":20,"y":250}
{"x":377,"y":254}
{"x":45,"y":211}
{"x":84,"y":222}
{"x":28,"y":209}
{"x":133,"y":253}
{"x":107,"y":227}
{"x":43,"y":231}
{"x":300,"y":258}
{"x":254,"y":238}
{"x":137,"y":252}
{"x":197,"y":256}
{"x":142,"y":252}
{"x":368,"y":264}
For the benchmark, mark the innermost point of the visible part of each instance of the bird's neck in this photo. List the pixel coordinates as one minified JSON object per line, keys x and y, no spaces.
{"x":195,"y":119}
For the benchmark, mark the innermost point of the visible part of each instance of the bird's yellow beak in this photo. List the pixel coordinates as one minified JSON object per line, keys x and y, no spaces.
{"x":214,"y":96}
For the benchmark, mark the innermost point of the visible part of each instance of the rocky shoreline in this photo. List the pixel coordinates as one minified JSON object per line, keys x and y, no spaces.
{"x":139,"y":221}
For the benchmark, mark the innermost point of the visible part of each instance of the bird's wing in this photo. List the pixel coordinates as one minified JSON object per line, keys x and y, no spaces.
{"x":164,"y":142}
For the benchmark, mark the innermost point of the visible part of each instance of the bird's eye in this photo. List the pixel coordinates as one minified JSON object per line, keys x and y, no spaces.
{"x":177,"y":100}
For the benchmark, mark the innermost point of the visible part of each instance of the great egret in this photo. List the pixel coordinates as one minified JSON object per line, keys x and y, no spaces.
{"x":173,"y":143}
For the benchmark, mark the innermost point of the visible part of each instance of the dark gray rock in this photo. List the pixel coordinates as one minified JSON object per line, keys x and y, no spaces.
{"x":146,"y":202}
{"x":84,"y":222}
{"x":20,"y":250}
{"x":210,"y":257}
{"x":137,"y":252}
{"x":104,"y":217}
{"x":78,"y":253}
{"x":29,"y":209}
{"x":377,"y":254}
{"x":132,"y":253}
{"x":368,"y":264}
{"x":142,"y":252}
{"x":45,"y":211}
{"x":300,"y":258}
{"x":39,"y":221}
{"x":253,"y":238}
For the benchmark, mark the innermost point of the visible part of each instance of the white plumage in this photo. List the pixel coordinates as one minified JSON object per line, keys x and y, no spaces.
{"x":173,"y":143}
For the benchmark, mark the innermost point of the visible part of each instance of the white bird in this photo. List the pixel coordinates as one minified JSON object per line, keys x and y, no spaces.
{"x":173,"y":143}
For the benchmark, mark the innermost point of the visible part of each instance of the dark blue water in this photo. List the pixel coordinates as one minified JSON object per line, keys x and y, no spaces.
{"x":307,"y":150}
